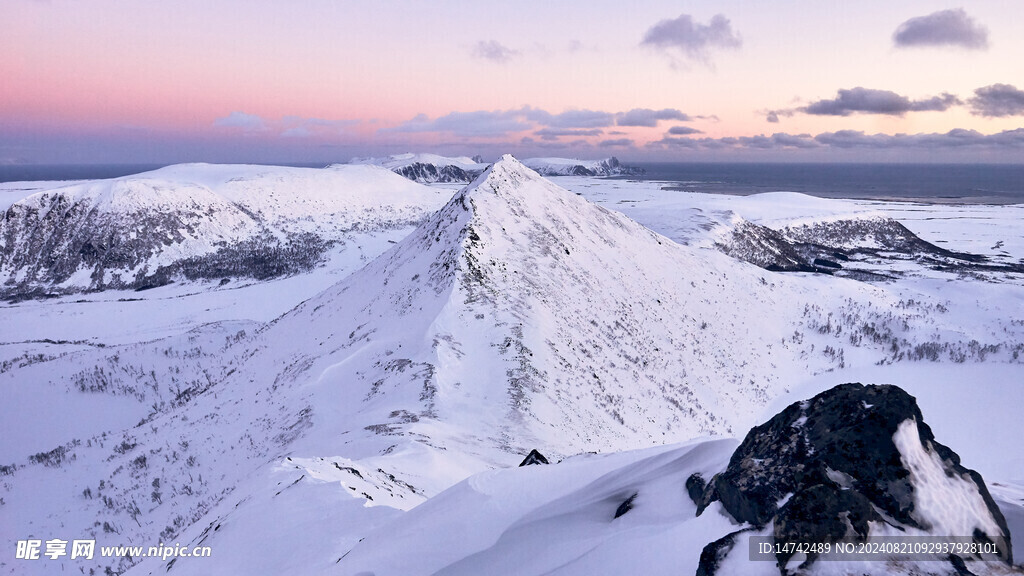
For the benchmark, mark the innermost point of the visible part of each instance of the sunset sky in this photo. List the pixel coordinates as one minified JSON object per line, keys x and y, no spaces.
{"x":129,"y":81}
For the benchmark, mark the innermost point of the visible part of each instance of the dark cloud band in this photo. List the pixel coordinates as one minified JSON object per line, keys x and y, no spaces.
{"x":997,"y":100}
{"x":868,"y":101}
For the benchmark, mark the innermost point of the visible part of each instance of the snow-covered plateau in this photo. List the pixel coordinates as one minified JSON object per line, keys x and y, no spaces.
{"x":338,"y":371}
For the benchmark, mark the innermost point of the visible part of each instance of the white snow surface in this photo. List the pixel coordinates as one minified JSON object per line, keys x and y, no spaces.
{"x":943,"y":504}
{"x":518,"y":316}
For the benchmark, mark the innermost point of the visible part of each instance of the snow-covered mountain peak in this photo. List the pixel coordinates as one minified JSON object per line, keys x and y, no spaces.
{"x":522,"y":316}
{"x":508,"y":177}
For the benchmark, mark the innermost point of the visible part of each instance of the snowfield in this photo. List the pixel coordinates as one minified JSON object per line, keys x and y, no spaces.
{"x":366,"y":415}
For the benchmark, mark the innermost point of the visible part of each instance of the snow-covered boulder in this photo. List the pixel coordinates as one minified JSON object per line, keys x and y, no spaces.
{"x":853,"y":463}
{"x":533,"y":458}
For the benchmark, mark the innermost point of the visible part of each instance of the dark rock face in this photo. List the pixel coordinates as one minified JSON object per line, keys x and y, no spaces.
{"x":626,"y":505}
{"x":713,"y":554}
{"x":841,"y":247}
{"x":821,"y":513}
{"x":420,"y":172}
{"x":764,"y":247}
{"x":612,"y":167}
{"x":870,"y":235}
{"x":46,"y":251}
{"x":822,"y":469}
{"x":534,"y":457}
{"x":607,"y":167}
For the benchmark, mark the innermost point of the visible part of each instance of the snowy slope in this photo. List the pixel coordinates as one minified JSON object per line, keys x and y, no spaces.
{"x":11,"y":192}
{"x":196,"y":221}
{"x":627,"y":513}
{"x":557,"y":519}
{"x":480,"y":308}
{"x":518,"y":316}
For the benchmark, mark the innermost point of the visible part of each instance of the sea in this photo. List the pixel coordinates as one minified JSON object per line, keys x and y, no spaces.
{"x":938,"y":183}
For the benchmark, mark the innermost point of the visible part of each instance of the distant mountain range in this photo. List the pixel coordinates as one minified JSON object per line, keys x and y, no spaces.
{"x":220,"y":223}
{"x":429,"y":168}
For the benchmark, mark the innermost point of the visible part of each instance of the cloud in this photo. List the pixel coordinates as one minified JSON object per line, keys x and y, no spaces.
{"x":615,"y":142}
{"x":650,"y":118}
{"x":784,"y":140}
{"x":241,"y":121}
{"x":299,"y":127}
{"x":494,"y":51}
{"x":548,"y":126}
{"x":774,"y":115}
{"x":940,"y":103}
{"x":694,"y":41}
{"x":683,"y":131}
{"x":943,"y":28}
{"x":956,"y":138}
{"x":556,"y":133}
{"x":286,"y":127}
{"x":571,"y":118}
{"x":317,"y":122}
{"x":868,"y":101}
{"x":775,"y":141}
{"x":997,"y":101}
{"x":670,"y":142}
{"x":480,"y":123}
{"x":297,"y":132}
{"x":854,"y":139}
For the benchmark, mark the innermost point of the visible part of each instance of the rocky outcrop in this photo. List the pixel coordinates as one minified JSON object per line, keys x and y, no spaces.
{"x":428,"y":173}
{"x":764,"y":247}
{"x":853,"y":462}
{"x":533,"y":458}
{"x":861,"y":248}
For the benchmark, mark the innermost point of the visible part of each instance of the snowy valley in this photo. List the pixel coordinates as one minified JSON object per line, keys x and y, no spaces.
{"x":337,"y":371}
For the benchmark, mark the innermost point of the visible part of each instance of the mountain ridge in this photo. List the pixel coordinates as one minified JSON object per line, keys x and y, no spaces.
{"x":196,"y":222}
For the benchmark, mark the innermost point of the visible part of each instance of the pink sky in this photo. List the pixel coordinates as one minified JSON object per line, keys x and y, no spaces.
{"x":323,"y":80}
